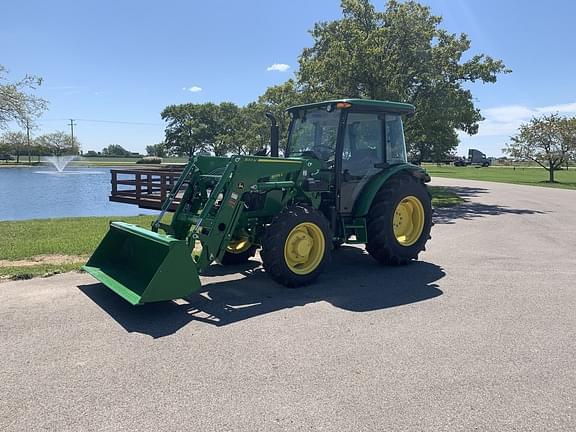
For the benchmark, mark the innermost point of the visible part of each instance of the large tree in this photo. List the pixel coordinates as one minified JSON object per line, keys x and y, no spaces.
{"x":17,"y":103}
{"x":549,"y":140}
{"x":158,"y":150}
{"x":252,"y":131}
{"x":220,"y":129}
{"x":14,"y":143}
{"x":58,"y":144}
{"x":399,"y":54}
{"x":184,"y":131}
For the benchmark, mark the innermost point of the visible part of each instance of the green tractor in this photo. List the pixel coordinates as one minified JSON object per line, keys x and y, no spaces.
{"x":344,"y":179}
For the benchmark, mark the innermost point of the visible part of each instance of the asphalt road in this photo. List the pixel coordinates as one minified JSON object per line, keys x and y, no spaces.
{"x":478,"y":335}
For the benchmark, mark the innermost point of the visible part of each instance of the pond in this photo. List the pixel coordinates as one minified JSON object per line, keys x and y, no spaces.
{"x":43,"y":192}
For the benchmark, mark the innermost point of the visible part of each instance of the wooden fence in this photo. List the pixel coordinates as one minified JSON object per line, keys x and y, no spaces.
{"x":146,"y":188}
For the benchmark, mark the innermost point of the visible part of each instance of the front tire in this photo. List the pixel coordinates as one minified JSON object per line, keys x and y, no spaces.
{"x":399,"y":220}
{"x":239,"y":251}
{"x":297,"y":246}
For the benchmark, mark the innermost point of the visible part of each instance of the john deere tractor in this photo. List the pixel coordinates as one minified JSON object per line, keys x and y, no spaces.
{"x":343,"y":179}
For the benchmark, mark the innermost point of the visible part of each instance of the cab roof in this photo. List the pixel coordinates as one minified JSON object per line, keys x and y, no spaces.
{"x":366,"y":104}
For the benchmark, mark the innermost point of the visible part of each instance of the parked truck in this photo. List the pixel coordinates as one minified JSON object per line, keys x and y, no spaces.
{"x":475,"y":157}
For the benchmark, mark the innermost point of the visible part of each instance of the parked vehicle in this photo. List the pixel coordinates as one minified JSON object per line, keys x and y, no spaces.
{"x":475,"y":157}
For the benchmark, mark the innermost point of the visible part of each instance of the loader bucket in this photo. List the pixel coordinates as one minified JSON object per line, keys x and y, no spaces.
{"x":142,"y":266}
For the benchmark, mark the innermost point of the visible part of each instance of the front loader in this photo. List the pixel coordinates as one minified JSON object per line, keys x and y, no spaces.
{"x":344,"y":179}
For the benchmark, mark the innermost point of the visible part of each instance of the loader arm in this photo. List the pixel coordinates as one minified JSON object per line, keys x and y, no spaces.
{"x":143,"y":266}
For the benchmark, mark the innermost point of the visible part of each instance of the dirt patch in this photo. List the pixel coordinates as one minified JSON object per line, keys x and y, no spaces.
{"x":43,"y":259}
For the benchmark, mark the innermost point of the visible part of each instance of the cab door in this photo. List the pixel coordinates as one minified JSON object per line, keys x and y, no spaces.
{"x":362,"y":152}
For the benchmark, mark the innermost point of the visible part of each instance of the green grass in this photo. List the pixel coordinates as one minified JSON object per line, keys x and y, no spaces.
{"x":28,"y":272}
{"x":534,"y":176}
{"x":79,"y":237}
{"x":442,"y":197}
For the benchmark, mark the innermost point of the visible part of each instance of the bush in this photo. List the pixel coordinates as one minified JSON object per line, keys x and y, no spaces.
{"x":149,"y":160}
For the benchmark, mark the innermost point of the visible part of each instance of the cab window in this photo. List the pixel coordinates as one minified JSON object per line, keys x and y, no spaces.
{"x":395,"y":146}
{"x":362,"y":143}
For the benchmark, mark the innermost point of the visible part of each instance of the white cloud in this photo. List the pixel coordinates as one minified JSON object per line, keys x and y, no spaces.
{"x":561,"y":108}
{"x":193,"y":89}
{"x":278,"y":67}
{"x":505,"y":120}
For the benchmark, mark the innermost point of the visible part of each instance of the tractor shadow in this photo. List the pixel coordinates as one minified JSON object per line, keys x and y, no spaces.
{"x":469,"y":210}
{"x":353,"y":282}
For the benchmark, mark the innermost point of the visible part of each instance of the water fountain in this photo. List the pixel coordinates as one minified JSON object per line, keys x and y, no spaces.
{"x":59,"y":162}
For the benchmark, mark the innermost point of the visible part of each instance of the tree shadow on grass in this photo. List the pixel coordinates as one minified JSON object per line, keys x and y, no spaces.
{"x":353,"y":281}
{"x":465,"y":192}
{"x":471,"y":210}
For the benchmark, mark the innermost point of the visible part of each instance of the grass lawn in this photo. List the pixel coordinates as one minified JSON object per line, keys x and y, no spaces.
{"x":534,"y":176}
{"x":71,"y":240}
{"x":442,"y":197}
{"x":47,"y":246}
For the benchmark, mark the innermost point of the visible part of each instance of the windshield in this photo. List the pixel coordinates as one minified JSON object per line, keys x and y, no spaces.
{"x":315,"y":131}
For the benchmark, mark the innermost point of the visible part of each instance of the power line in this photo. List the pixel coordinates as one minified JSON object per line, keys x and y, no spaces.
{"x":103,"y":121}
{"x":121,"y":122}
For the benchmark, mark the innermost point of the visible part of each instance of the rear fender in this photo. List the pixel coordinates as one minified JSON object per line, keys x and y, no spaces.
{"x":364,"y":200}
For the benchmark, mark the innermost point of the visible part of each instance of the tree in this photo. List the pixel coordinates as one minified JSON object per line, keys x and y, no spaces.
{"x":252,"y":132}
{"x":399,"y":54}
{"x":220,"y":129}
{"x":158,"y":150}
{"x":5,"y":150}
{"x":115,"y":150}
{"x":184,"y":132}
{"x":58,"y":143}
{"x":14,"y":142}
{"x":550,"y":141}
{"x":16,"y":102}
{"x":222,"y":123}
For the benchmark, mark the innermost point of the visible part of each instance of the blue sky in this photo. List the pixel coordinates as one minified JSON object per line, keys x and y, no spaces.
{"x":124,"y":61}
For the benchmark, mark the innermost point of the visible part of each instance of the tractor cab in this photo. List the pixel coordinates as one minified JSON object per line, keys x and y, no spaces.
{"x":354,"y":138}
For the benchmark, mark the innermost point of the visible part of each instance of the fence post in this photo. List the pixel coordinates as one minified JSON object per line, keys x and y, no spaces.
{"x":138,"y":185}
{"x":114,"y":183}
{"x":162,"y":187}
{"x":148,"y":183}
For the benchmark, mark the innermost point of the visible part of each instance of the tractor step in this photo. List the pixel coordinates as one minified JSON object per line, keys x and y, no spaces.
{"x":356,"y":229}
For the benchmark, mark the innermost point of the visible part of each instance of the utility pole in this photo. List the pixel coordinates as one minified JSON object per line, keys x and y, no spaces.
{"x":72,"y":124}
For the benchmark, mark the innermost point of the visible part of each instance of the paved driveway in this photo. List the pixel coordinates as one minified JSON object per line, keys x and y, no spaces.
{"x":479,"y":335}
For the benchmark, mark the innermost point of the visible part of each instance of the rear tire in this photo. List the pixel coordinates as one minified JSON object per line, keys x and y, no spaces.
{"x":297,"y":246}
{"x":399,"y":220}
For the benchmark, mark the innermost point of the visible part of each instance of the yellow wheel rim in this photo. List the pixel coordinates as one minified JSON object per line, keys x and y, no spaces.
{"x":408,"y":221}
{"x":237,"y":246}
{"x":304,"y":248}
